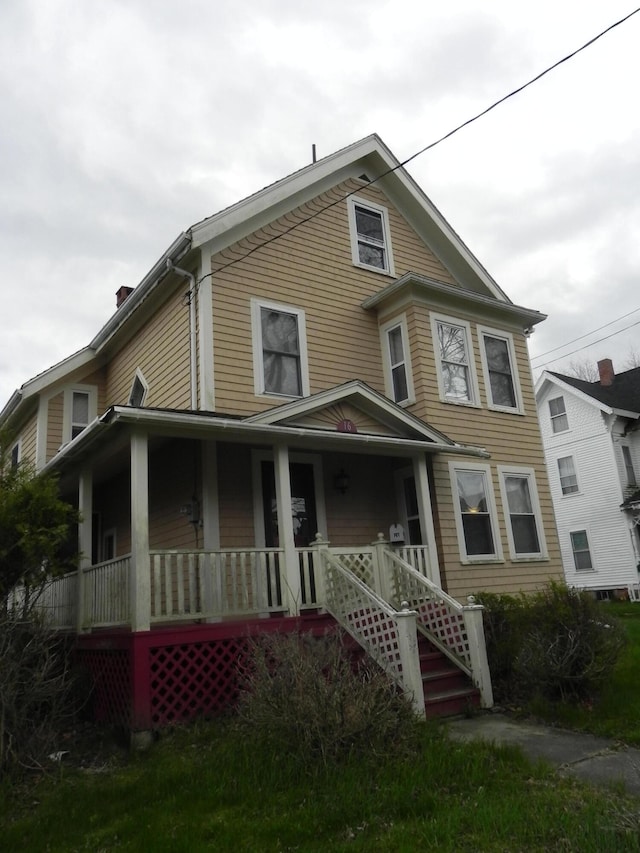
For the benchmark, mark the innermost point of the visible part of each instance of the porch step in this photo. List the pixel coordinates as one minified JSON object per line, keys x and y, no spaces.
{"x":448,"y":691}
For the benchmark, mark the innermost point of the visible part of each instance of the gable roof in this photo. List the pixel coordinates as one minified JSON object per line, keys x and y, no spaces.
{"x":623,"y":395}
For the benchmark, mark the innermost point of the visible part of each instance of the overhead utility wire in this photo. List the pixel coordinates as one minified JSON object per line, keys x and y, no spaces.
{"x":426,"y":147}
{"x":586,"y":335}
{"x":586,"y":346}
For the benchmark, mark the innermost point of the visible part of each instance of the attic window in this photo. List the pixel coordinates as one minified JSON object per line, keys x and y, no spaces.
{"x":370,"y":239}
{"x":558,"y":413}
{"x":138,"y":390}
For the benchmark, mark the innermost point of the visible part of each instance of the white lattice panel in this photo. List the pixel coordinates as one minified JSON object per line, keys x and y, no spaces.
{"x":360,"y":563}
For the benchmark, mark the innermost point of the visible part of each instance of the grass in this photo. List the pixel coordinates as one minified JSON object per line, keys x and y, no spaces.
{"x":616,"y":713}
{"x":208,"y":788}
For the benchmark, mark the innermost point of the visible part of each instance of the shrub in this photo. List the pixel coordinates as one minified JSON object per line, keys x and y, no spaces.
{"x":555,"y":644}
{"x":37,"y":695}
{"x":303,"y":696}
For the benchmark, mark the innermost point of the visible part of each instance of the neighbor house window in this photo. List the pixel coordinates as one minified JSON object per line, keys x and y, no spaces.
{"x":475,"y":511}
{"x":559,"y":422}
{"x":370,"y":240}
{"x":498,"y":362}
{"x":628,"y":466}
{"x":399,"y":385}
{"x":568,"y":478}
{"x":279,"y":349}
{"x":138,"y":391}
{"x":580,"y":549}
{"x":454,"y":356}
{"x":520,"y":499}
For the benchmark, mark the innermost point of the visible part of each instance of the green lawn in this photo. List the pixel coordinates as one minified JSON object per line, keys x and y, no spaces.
{"x":616,"y":713}
{"x":207,"y":788}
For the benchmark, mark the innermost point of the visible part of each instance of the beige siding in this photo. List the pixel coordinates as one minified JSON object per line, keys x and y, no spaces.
{"x":55,"y":410}
{"x":161,"y":350}
{"x":28,"y":441}
{"x":310,"y":269}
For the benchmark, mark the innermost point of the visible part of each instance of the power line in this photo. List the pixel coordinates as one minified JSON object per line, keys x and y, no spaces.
{"x":426,"y":148}
{"x":586,"y":335}
{"x":586,"y":346}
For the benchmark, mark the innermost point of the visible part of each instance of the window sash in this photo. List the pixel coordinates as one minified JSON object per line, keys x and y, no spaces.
{"x":500,"y":370}
{"x":280,"y":352}
{"x":454,"y":361}
{"x":473,"y":503}
{"x":568,"y":477}
{"x":79,"y":412}
{"x":581,"y":551}
{"x":558,"y":413}
{"x":398,"y":364}
{"x":524,"y":526}
{"x":371,"y":237}
{"x":628,"y":466}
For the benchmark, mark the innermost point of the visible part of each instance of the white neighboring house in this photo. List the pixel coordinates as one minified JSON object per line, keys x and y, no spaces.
{"x":591,"y":437}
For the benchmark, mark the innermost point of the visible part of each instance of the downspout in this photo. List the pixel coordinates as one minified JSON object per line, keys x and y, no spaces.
{"x":191,"y":294}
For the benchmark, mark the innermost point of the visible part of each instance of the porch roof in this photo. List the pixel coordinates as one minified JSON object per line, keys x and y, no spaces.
{"x":209,"y":425}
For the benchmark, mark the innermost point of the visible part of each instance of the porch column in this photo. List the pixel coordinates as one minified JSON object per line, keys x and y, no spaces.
{"x":85,"y":542}
{"x":140,"y":579}
{"x":291,"y":578}
{"x":423,"y":494}
{"x":210,"y":526}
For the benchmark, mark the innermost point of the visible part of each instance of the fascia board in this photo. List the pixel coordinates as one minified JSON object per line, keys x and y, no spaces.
{"x":447,"y":291}
{"x":178,"y":422}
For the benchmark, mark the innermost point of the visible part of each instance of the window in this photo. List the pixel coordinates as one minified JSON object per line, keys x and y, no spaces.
{"x":568,"y":478}
{"x":139,"y":390}
{"x":520,"y":499}
{"x":498,"y":362}
{"x":370,"y":240}
{"x":79,"y":412}
{"x":397,"y":368}
{"x":80,"y":408}
{"x":279,"y":350}
{"x":580,"y":549}
{"x":475,"y":511}
{"x":559,"y":422}
{"x":109,"y":544}
{"x":16,"y":453}
{"x":628,"y":466}
{"x":454,"y":356}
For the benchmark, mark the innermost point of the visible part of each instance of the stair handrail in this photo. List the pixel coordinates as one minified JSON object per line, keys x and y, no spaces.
{"x":389,"y":636}
{"x":456,"y":629}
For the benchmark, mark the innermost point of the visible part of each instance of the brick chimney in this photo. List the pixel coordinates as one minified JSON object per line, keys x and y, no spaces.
{"x":122,"y":295}
{"x":605,"y":369}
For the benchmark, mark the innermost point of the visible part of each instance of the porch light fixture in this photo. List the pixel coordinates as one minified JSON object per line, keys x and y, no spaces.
{"x":341,"y":481}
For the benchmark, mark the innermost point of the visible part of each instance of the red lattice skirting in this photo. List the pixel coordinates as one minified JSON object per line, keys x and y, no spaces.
{"x":153,"y":678}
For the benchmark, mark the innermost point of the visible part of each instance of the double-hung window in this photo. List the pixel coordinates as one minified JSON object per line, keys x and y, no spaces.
{"x":454,"y":355}
{"x":139,"y":390}
{"x":397,"y":366}
{"x":628,"y":466}
{"x":474,"y":502}
{"x":580,"y":550}
{"x":279,"y":350}
{"x":558,"y":414}
{"x":522,"y":508}
{"x":370,"y":236}
{"x":568,"y":477}
{"x":498,"y":362}
{"x":80,"y":408}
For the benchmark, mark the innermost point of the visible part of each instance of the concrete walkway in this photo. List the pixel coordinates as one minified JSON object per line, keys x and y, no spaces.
{"x":582,"y":756}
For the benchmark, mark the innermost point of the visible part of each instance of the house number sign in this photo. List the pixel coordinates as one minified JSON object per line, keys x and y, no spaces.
{"x":346,"y":425}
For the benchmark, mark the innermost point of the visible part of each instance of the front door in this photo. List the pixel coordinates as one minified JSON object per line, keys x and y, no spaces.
{"x":303,"y":504}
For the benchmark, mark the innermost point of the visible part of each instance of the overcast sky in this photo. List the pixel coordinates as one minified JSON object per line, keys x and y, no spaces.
{"x":126,"y":121}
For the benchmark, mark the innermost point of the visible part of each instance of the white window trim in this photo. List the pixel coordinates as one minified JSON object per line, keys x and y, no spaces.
{"x":578,"y":571}
{"x":473,"y":377}
{"x":553,"y":418}
{"x":454,"y":467}
{"x":67,"y":411}
{"x":256,"y":336}
{"x":522,"y":471}
{"x":352,"y":203}
{"x":140,"y":376}
{"x":575,"y":471}
{"x":485,"y":331}
{"x":401,"y":323}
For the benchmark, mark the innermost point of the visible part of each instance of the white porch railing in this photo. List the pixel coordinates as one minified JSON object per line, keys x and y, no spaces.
{"x":105,"y":592}
{"x":388,"y":636}
{"x":215,"y":584}
{"x":56,"y":600}
{"x":457,"y":629}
